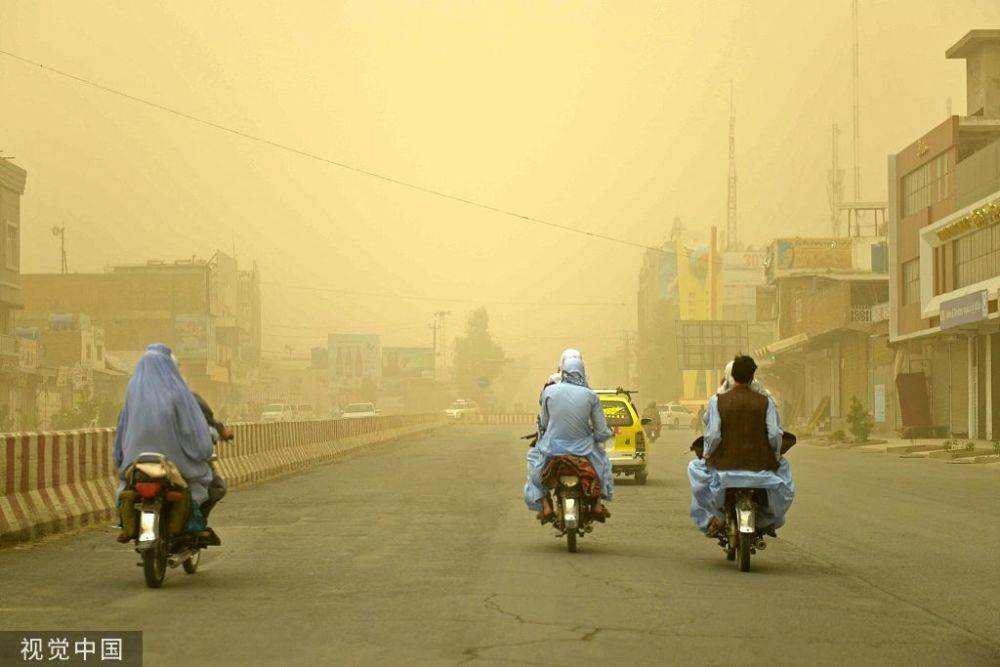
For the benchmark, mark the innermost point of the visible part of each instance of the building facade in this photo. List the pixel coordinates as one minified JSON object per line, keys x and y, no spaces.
{"x":944,"y":233}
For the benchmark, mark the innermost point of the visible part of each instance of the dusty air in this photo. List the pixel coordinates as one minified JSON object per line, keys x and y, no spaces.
{"x":488,"y":333}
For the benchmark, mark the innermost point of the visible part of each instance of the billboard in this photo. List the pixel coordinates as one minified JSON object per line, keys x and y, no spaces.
{"x":192,"y":336}
{"x":354,"y":358}
{"x":710,"y":344}
{"x":408,"y":362}
{"x":812,"y":253}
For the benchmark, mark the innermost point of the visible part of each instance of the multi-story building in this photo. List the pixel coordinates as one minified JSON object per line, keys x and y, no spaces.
{"x":826,"y":295}
{"x":944,"y":233}
{"x":658,"y":312}
{"x":206,"y":311}
{"x":12,"y":180}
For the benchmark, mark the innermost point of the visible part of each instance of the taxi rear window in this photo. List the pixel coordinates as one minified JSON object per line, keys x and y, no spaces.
{"x":617,"y":413}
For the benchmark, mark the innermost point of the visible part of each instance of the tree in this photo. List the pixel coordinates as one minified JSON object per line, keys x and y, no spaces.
{"x":860,"y":421}
{"x":478,"y":358}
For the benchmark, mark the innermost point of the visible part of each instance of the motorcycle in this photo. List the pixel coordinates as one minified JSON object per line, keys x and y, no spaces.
{"x":577,"y":489}
{"x":158,"y":499}
{"x":742,"y":537}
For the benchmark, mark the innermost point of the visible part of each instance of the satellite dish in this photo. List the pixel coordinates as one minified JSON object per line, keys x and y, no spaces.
{"x":56,"y":231}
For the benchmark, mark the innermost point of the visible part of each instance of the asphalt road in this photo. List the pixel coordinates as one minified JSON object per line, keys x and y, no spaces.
{"x":421,"y":551}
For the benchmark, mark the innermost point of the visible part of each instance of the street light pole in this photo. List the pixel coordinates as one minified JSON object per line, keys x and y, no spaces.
{"x":61,"y":233}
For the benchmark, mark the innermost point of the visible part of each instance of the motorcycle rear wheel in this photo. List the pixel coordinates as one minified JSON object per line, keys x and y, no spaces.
{"x":154,"y":565}
{"x":743,"y":552}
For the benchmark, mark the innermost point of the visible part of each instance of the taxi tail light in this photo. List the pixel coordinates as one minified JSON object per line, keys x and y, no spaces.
{"x":640,"y":442}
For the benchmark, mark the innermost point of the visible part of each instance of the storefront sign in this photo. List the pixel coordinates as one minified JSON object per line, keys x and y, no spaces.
{"x":964,"y":310}
{"x":981,"y":217}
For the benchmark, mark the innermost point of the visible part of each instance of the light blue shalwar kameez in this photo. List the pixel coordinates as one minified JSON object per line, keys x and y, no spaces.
{"x":708,"y":485}
{"x":571,"y":421}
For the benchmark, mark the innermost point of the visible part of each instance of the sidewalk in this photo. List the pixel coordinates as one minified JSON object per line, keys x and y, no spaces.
{"x":925,"y":448}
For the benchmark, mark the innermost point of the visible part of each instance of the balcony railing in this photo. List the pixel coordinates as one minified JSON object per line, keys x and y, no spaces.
{"x":861,"y":314}
{"x":8,"y":345}
{"x":880,"y":312}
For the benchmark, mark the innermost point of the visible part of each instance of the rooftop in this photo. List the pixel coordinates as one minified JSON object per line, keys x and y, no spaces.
{"x":973,"y":40}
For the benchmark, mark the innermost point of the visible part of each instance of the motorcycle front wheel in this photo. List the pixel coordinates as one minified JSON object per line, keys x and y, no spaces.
{"x":571,"y":541}
{"x":154,"y":564}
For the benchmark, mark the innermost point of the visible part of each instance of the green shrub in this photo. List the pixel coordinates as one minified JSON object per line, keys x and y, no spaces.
{"x":947,"y":445}
{"x":996,"y":447}
{"x":859,"y":419}
{"x":970,"y":446}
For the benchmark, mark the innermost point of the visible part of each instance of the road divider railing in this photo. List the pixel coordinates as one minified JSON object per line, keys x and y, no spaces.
{"x":61,"y":480}
{"x":514,"y":419}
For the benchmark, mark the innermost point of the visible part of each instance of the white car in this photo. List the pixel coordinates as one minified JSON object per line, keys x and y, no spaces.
{"x":461,"y":409}
{"x":357,"y":410}
{"x":675,"y":415}
{"x":277,"y":412}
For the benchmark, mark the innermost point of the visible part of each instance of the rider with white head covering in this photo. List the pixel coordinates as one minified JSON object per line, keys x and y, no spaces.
{"x":571,"y":421}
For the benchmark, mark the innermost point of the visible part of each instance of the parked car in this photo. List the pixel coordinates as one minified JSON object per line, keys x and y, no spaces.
{"x":305,"y":411}
{"x":462,"y":409}
{"x":675,"y":415}
{"x":277,"y":412}
{"x":357,"y":410}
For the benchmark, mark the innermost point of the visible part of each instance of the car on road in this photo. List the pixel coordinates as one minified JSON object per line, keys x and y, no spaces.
{"x":462,"y":409}
{"x":305,"y":411}
{"x":675,"y":415}
{"x":627,"y":450}
{"x":358,"y":410}
{"x":277,"y":412}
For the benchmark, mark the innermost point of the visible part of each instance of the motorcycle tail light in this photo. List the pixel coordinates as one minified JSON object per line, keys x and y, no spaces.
{"x":148,"y":489}
{"x":174,"y":496}
{"x":640,"y":442}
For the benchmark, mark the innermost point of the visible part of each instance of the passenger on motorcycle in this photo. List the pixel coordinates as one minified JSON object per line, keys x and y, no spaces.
{"x":742,"y":449}
{"x":571,"y":421}
{"x":161,"y":415}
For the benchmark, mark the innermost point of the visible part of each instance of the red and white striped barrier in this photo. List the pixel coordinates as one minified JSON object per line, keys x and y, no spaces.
{"x":51,"y":482}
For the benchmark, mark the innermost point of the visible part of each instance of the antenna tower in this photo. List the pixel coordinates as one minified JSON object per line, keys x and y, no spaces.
{"x":732,"y":236}
{"x":857,"y":105}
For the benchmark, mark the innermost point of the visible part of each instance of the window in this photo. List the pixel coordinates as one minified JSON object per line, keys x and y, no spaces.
{"x":977,"y":256}
{"x":911,"y":281}
{"x":797,"y":310}
{"x":925,"y":185}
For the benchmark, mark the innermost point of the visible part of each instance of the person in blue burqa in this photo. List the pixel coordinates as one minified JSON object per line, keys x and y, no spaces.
{"x":742,"y":449}
{"x":570,"y":421}
{"x":161,"y":415}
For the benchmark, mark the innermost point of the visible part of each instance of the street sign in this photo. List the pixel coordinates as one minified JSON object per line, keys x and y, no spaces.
{"x":710,"y":344}
{"x":964,"y":310}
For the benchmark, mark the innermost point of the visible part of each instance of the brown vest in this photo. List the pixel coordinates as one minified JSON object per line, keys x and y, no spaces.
{"x":744,"y":443}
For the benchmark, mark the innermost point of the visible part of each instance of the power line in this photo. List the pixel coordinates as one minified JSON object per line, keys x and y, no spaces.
{"x":320,"y":158}
{"x":333,"y":290}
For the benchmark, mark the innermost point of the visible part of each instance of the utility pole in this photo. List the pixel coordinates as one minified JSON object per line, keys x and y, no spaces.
{"x":835,"y":184}
{"x":857,"y":105}
{"x":61,"y":233}
{"x":435,"y":327}
{"x":732,"y":235}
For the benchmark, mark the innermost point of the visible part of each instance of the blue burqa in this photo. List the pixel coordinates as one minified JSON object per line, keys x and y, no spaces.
{"x":161,"y":415}
{"x":571,"y":421}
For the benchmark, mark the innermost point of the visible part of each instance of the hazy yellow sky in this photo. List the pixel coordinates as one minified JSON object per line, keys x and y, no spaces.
{"x":610,"y":117}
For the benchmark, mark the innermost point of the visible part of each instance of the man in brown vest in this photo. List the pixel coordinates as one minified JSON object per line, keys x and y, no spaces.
{"x":742,"y":448}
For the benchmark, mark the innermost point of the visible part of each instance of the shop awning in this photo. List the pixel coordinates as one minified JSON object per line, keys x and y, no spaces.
{"x":784,"y":345}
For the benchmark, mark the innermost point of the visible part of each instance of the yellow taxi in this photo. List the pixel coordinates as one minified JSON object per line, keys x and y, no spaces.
{"x":627,"y":450}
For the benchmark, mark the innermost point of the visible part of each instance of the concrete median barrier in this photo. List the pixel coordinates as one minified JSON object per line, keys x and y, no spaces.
{"x":57,"y":481}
